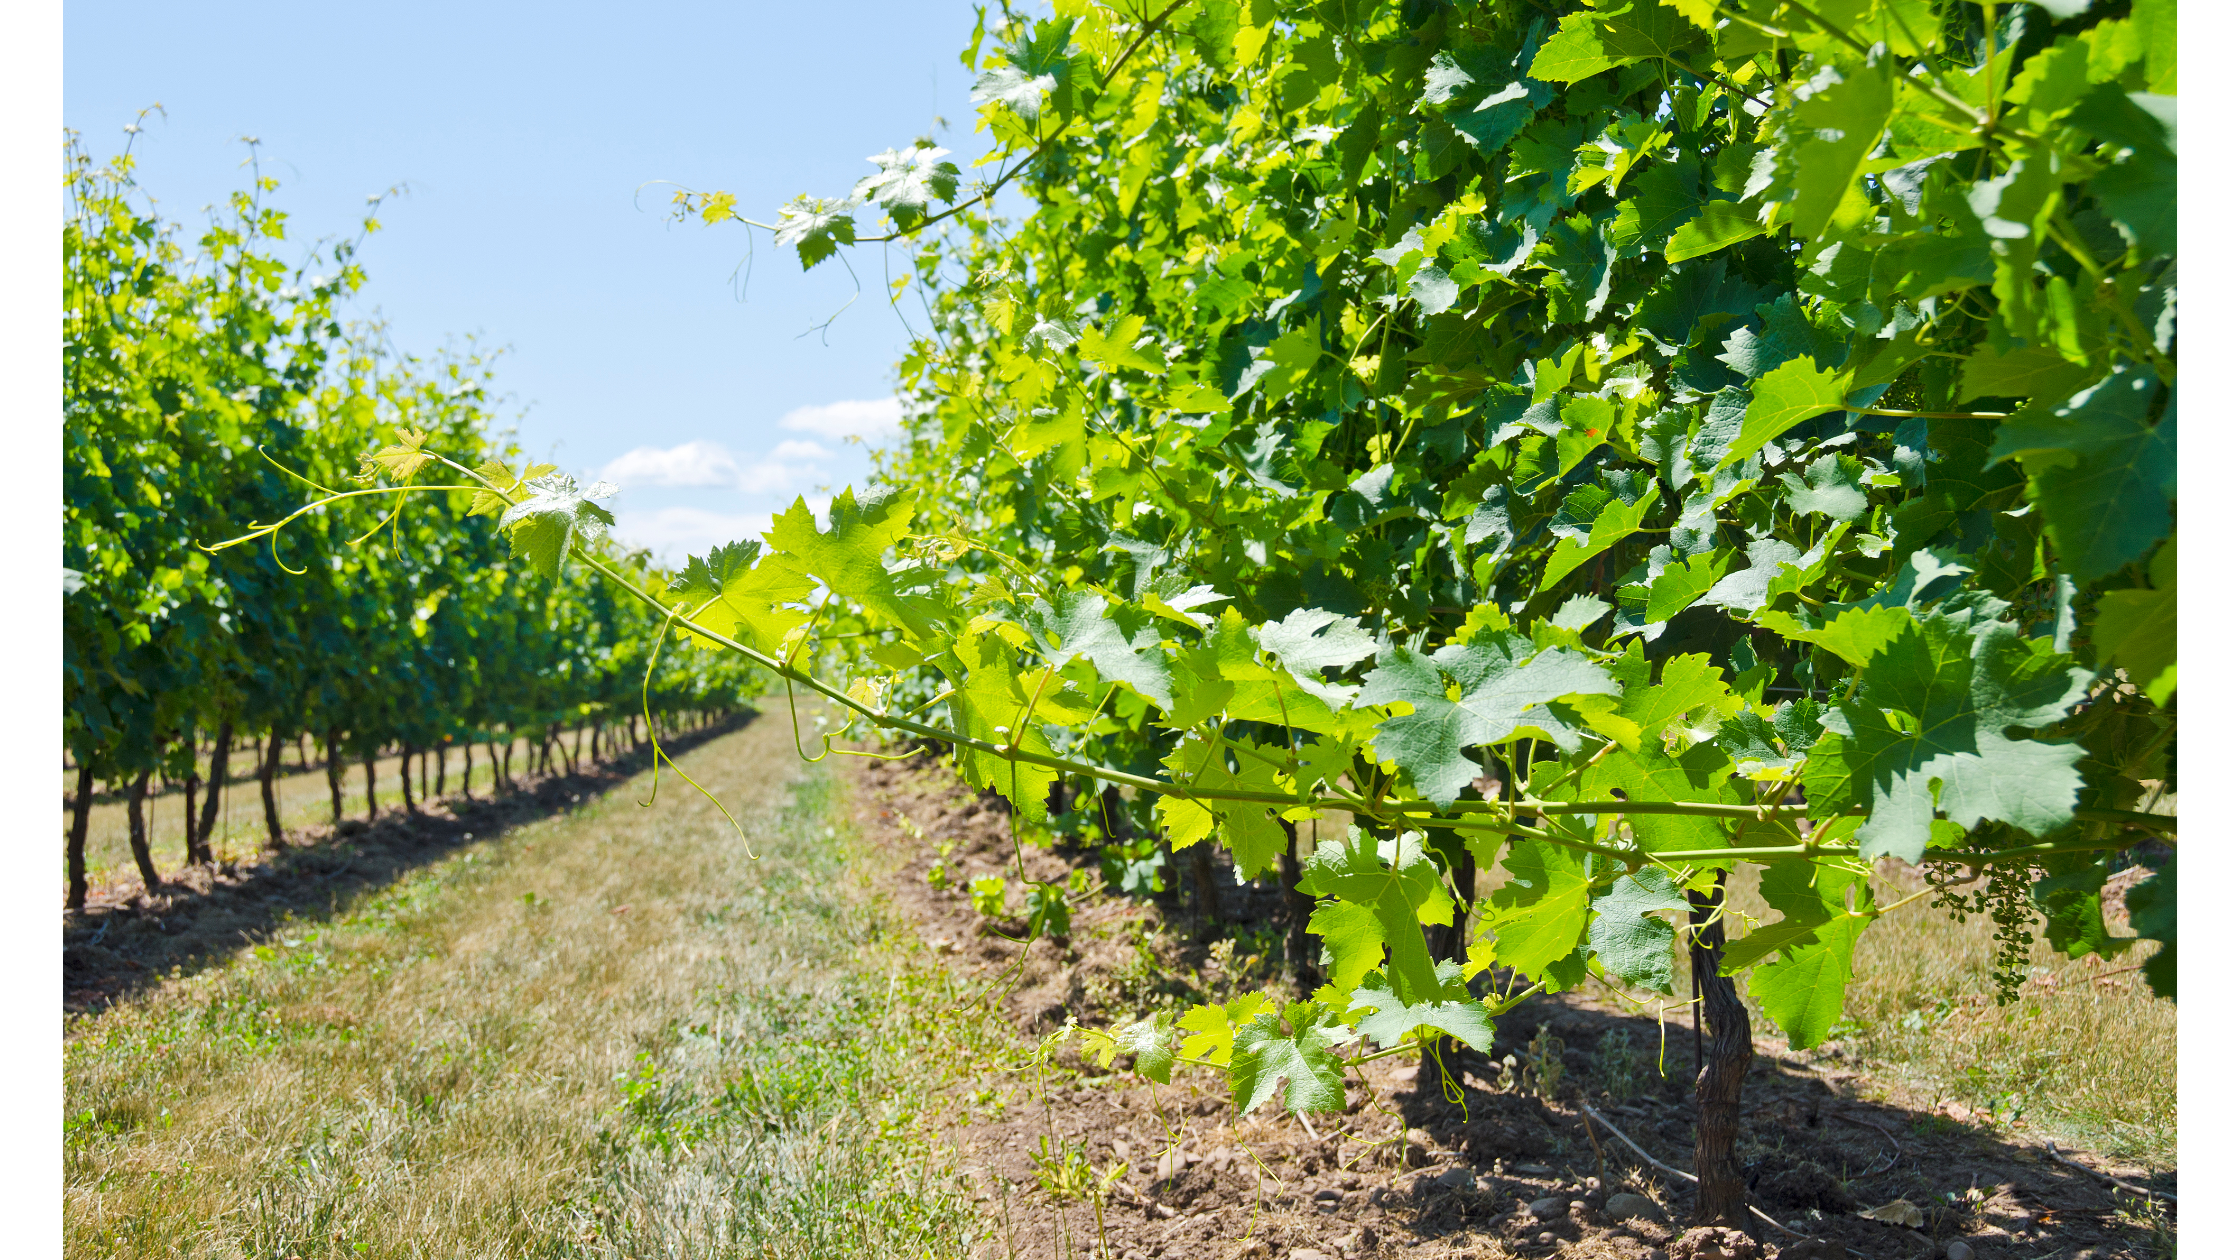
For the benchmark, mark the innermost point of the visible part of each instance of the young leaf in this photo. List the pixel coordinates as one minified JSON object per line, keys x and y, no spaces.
{"x":554,"y":519}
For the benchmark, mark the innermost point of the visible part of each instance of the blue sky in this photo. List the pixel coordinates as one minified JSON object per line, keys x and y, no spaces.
{"x":527,"y":136}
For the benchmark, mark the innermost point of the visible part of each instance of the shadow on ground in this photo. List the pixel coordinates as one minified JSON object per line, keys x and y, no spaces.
{"x":127,"y":939}
{"x":1485,"y":1159}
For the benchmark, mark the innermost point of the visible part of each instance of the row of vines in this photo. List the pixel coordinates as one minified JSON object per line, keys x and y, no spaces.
{"x":208,"y":380}
{"x":1611,"y":444}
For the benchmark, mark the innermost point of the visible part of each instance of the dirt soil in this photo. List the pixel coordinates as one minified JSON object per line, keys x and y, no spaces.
{"x":126,"y":938}
{"x":1456,"y":1157}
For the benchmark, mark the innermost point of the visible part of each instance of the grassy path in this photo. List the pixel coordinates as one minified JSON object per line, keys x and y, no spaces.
{"x":610,"y":1033}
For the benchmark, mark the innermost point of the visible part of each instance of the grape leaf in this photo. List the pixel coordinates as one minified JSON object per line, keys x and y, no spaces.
{"x":848,"y":556}
{"x":908,"y":182}
{"x":728,"y":592}
{"x":1781,"y":400}
{"x":1266,"y":1058}
{"x":402,"y":458}
{"x":815,"y":228}
{"x":1538,"y":915}
{"x":1394,"y":1021}
{"x":1150,"y":1040}
{"x":1927,"y":731}
{"x":1503,"y":688}
{"x":2137,"y":630}
{"x":1632,"y":943}
{"x":1085,"y":624}
{"x":2154,"y":916}
{"x":1400,"y":885}
{"x":554,"y":519}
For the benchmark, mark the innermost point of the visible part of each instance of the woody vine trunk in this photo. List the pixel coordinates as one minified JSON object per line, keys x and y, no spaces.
{"x":1726,"y":1055}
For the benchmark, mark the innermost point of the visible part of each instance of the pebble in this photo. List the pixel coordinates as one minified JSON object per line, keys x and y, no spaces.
{"x":1547,"y":1209}
{"x":1456,"y":1178}
{"x":1624,"y":1205}
{"x":1307,"y":1253}
{"x":1959,"y":1251}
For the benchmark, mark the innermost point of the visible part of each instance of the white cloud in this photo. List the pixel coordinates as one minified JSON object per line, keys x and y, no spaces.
{"x":692,"y":464}
{"x":798,"y":450}
{"x":671,"y":533}
{"x":770,"y":476}
{"x":869,"y":419}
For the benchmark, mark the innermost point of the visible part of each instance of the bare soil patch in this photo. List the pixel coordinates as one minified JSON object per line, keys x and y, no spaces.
{"x":1449,"y":1157}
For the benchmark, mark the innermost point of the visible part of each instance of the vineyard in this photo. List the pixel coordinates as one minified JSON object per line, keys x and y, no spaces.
{"x":1486,"y":508}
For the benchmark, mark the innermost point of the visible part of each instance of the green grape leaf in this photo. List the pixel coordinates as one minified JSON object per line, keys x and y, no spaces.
{"x":908,"y":182}
{"x":1802,"y":991}
{"x":987,"y":702}
{"x":555,"y":519}
{"x":815,"y":228}
{"x":2102,"y":474}
{"x":1721,"y":224}
{"x":1309,"y":640}
{"x":1573,"y":53}
{"x":1833,"y":485}
{"x":1826,"y":141}
{"x":1150,"y":1040}
{"x":1632,"y":943}
{"x":1114,"y":346}
{"x":1213,"y":1026}
{"x":1538,"y":916}
{"x":1926,"y":731}
{"x":848,"y":557}
{"x":1781,"y":400}
{"x":1684,"y":582}
{"x":1393,"y":1021}
{"x":2137,"y":630}
{"x":402,"y":458}
{"x":728,"y":593}
{"x":1617,"y":521}
{"x":2153,"y":905}
{"x":1504,"y":687}
{"x":1299,"y":1062}
{"x":1400,"y":886}
{"x":1085,"y":624}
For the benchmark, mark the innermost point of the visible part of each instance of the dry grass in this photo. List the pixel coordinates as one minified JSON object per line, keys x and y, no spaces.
{"x":2087,"y":1055}
{"x":607,"y":1034}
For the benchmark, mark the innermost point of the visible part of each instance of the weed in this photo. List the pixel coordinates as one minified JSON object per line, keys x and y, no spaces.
{"x":989,"y":896}
{"x":1543,"y":1063}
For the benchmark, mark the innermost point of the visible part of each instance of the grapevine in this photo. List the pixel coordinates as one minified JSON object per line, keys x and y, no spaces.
{"x":1740,"y":434}
{"x":207,"y":379}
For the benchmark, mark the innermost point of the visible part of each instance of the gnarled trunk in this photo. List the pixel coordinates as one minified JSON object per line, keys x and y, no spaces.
{"x":218,"y":757}
{"x":404,"y":777}
{"x":74,"y":848}
{"x":373,"y":798}
{"x":136,"y":818}
{"x":266,"y":770}
{"x":1725,"y":1061}
{"x":334,"y":771}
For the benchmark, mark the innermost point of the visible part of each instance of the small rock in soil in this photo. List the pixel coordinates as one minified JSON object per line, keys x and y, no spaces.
{"x":1959,"y":1251}
{"x":1307,"y":1253}
{"x":1547,"y":1209}
{"x":1623,"y":1206}
{"x":1456,"y":1178}
{"x":1715,"y":1242}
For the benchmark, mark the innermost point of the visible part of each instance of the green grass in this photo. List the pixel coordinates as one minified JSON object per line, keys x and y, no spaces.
{"x":494,"y":1058}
